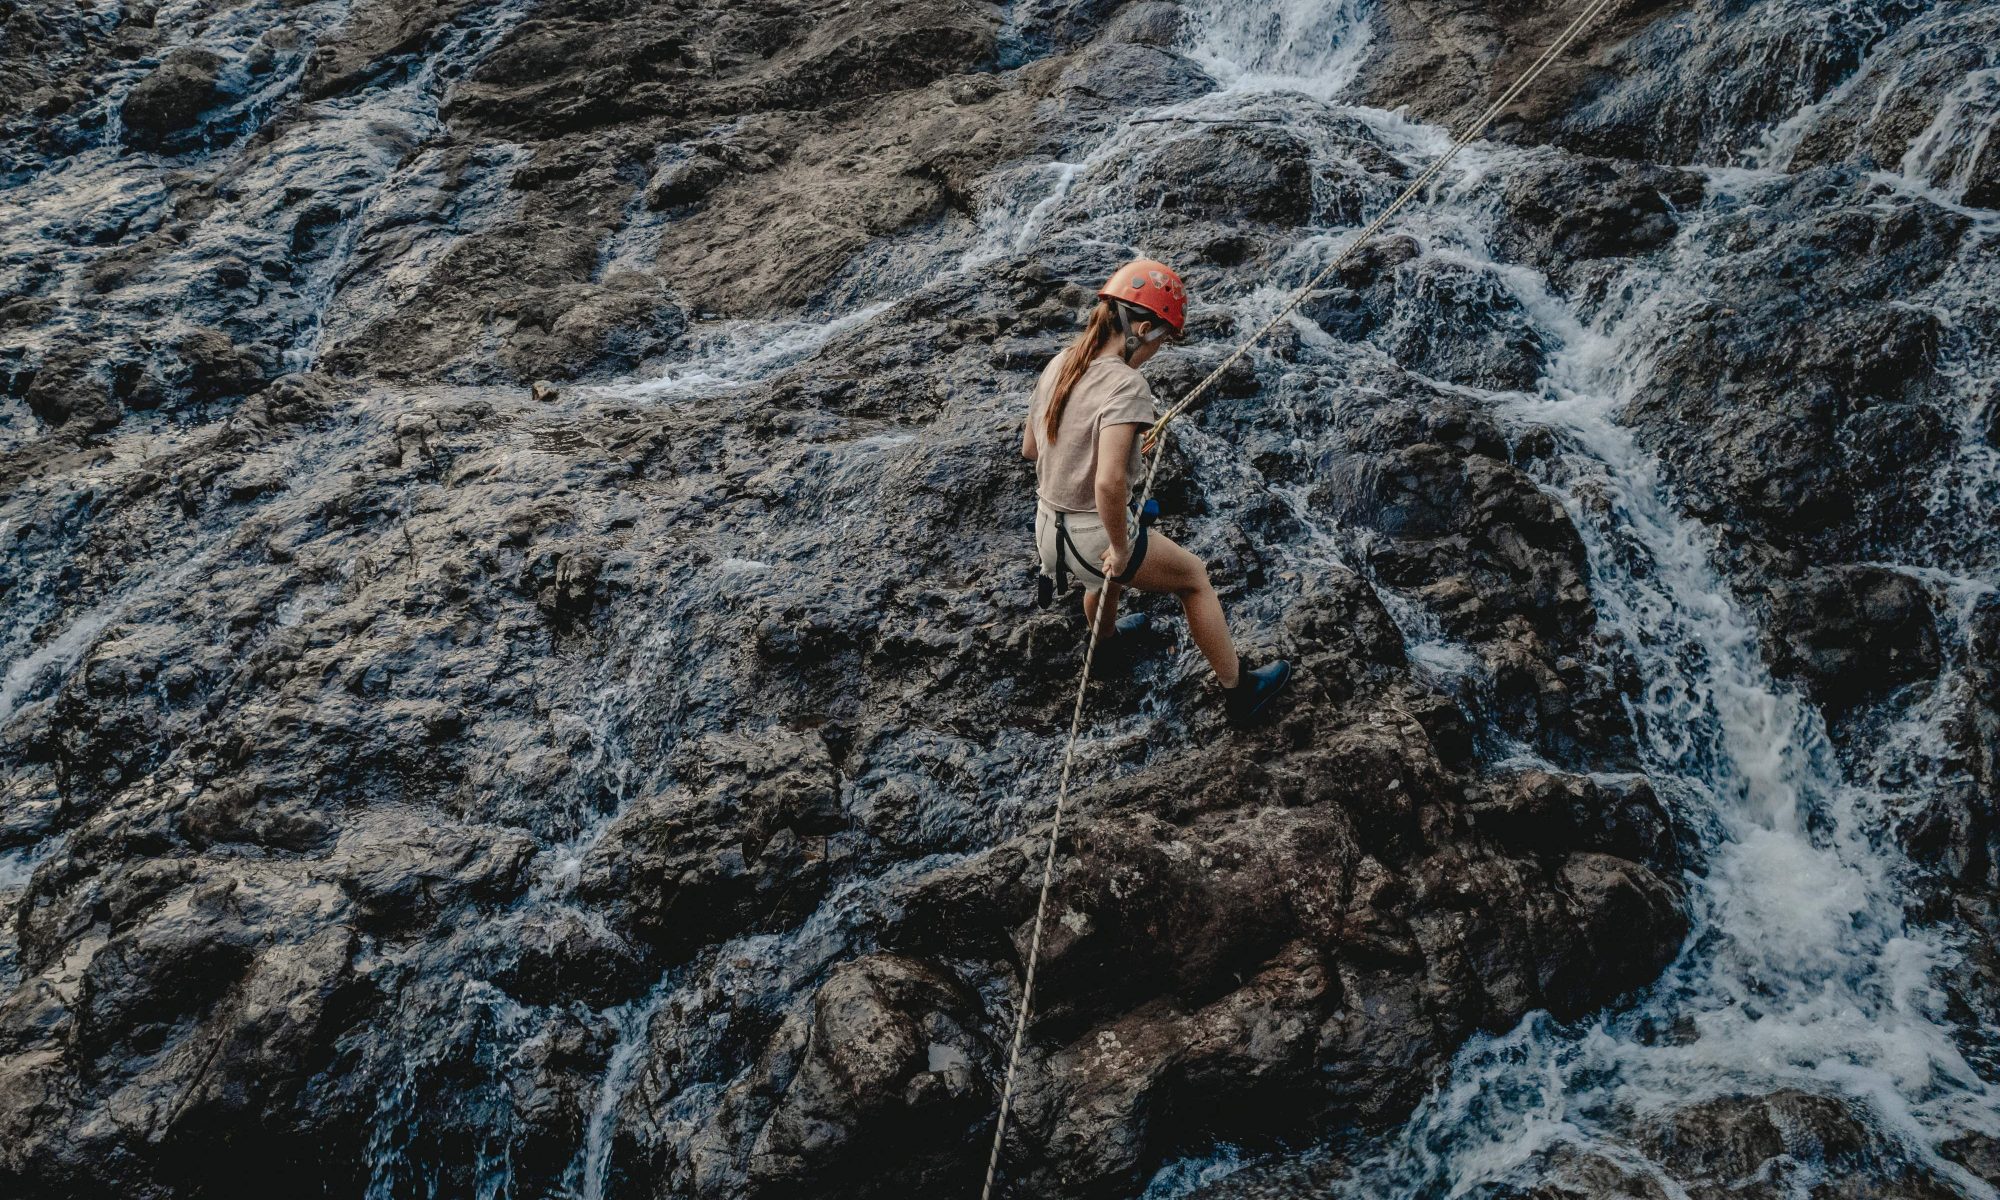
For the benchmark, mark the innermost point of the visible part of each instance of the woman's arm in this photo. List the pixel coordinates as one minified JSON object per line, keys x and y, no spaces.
{"x":1028,"y":436}
{"x":1114,"y":491}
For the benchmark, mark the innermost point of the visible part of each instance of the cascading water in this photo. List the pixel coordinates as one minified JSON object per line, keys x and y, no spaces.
{"x":1803,"y":970}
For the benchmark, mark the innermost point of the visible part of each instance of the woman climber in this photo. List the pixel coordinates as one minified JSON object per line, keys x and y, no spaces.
{"x":1083,"y":437}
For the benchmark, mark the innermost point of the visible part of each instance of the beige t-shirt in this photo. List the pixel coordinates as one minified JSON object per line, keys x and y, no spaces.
{"x":1109,"y":393}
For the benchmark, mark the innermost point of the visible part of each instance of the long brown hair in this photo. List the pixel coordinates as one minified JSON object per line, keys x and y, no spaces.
{"x":1103,"y":324}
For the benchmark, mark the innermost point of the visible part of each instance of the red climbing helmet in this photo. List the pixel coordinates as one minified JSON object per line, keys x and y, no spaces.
{"x":1152,"y":286}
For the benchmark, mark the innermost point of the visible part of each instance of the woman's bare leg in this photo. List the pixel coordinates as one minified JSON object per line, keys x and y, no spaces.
{"x":1169,"y":568}
{"x":1110,"y":611}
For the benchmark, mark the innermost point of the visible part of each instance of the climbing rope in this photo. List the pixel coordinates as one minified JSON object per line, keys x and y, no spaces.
{"x":1156,"y":442}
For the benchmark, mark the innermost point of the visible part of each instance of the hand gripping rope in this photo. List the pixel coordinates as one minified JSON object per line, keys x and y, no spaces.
{"x":1156,"y":439}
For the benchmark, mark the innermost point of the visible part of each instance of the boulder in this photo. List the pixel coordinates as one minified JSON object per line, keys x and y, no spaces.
{"x":1495,"y":558}
{"x":883,"y":1095}
{"x":1852,"y":633}
{"x":1565,"y":210}
{"x":745,"y":848}
{"x":216,"y":366}
{"x":69,"y":391}
{"x":1739,"y":1147}
{"x":1231,"y":173}
{"x":692,"y":176}
{"x":170,"y":101}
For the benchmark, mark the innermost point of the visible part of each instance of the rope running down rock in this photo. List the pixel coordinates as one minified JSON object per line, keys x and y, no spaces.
{"x":1156,"y":441}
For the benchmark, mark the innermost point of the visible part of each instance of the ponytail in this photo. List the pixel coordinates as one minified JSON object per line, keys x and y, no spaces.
{"x":1087,"y":346}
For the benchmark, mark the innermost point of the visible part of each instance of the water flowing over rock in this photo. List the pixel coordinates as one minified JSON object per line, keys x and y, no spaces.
{"x":518,"y":672}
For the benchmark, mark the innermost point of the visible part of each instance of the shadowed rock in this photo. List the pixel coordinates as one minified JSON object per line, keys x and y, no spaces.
{"x":1853,"y":633}
{"x":170,"y":101}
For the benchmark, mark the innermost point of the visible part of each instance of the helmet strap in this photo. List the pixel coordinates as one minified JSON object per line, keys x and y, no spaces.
{"x":1124,"y":320}
{"x":1122,"y":312}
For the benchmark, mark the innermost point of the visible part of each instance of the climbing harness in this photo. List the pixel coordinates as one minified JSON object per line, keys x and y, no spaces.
{"x":1155,"y":442}
{"x":1048,"y":588}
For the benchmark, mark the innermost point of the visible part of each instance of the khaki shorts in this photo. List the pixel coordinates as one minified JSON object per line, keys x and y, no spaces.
{"x":1086,"y":534}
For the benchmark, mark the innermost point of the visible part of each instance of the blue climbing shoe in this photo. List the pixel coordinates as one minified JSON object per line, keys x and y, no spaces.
{"x":1254,"y":691}
{"x":1117,"y":653}
{"x":1132,"y":624}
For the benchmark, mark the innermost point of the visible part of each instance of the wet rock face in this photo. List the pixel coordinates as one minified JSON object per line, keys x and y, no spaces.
{"x":1450,"y":61}
{"x":1272,"y":941}
{"x":630,"y":785}
{"x":1981,"y":730}
{"x":1854,"y":633}
{"x":1568,"y":1175}
{"x":564,"y":71}
{"x":1444,"y":320}
{"x":1490,"y":555}
{"x":1785,"y":455}
{"x":1773,"y":1145}
{"x":1333,"y":891}
{"x":1624,"y":92}
{"x":1931,"y":90}
{"x":1567,"y":213}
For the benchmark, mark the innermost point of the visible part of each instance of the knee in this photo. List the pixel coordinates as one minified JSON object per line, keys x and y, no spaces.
{"x":1198,"y":585}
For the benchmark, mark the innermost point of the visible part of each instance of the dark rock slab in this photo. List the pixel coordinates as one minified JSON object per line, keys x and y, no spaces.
{"x":169,"y":102}
{"x":1755,"y":1146}
{"x":1853,"y":633}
